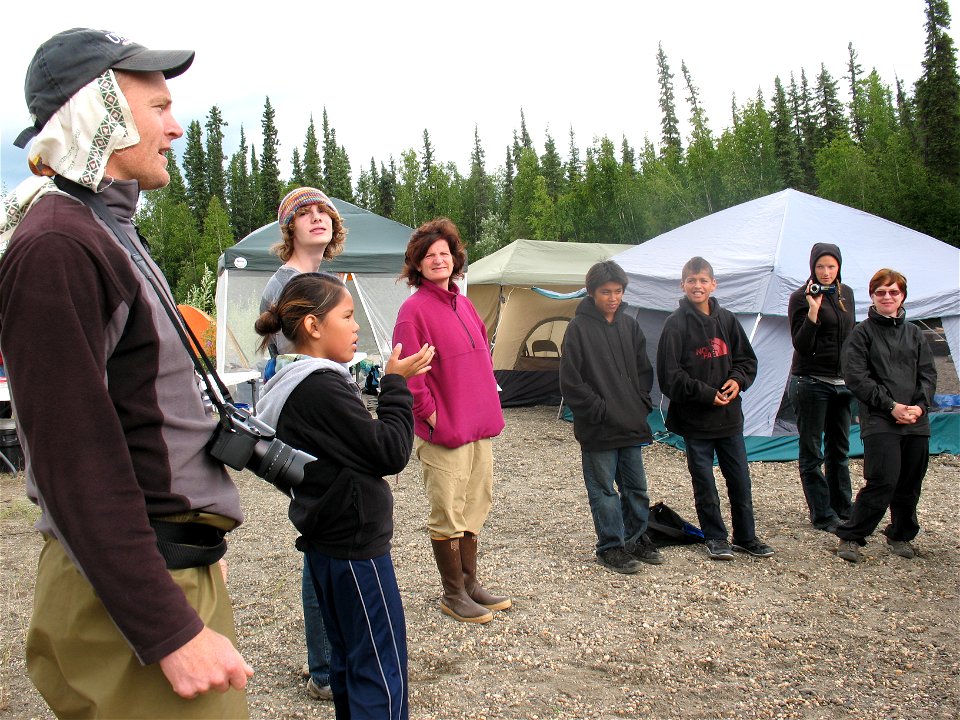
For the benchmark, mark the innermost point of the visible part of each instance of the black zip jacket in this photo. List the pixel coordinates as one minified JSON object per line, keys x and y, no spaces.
{"x":605,"y":378}
{"x":344,"y":507}
{"x":697,"y":354}
{"x":888,"y":360}
{"x":817,"y":345}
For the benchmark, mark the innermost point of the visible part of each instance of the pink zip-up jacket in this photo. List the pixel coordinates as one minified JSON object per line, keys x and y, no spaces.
{"x":460,"y":386}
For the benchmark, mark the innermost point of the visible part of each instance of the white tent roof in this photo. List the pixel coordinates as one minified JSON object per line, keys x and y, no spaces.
{"x":760,"y":252}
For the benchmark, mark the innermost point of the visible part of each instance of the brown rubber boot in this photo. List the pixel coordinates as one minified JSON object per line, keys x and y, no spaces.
{"x":455,"y":601}
{"x":477,"y":593}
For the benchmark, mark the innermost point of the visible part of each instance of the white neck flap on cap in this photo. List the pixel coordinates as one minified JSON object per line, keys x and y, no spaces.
{"x":75,"y":143}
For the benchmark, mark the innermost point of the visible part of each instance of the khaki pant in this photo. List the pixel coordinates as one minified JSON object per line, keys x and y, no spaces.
{"x":459,"y":486}
{"x":84,"y":668}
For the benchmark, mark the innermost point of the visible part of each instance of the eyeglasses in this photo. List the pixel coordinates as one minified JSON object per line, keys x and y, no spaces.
{"x":884,"y":293}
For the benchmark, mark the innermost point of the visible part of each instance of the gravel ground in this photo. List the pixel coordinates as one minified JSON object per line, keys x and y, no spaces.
{"x":800,"y":635}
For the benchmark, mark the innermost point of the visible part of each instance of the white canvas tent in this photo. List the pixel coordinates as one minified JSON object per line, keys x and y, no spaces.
{"x":760,"y":251}
{"x":372,"y":255}
{"x":526,"y":327}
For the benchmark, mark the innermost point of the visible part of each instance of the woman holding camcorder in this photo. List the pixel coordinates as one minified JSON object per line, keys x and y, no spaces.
{"x":821,"y":316}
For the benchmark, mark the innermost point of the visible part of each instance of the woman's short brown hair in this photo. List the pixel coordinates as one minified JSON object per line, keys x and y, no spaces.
{"x":423,"y":237}
{"x":886,"y":276}
{"x":284,"y":248}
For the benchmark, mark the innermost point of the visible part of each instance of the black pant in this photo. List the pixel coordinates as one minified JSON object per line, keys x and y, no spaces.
{"x":893,"y":467}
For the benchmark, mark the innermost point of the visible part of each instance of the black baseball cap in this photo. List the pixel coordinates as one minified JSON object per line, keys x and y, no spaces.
{"x":74,"y":58}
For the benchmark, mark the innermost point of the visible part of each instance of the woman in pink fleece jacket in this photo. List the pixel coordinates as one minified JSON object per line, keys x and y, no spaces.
{"x":456,"y":411}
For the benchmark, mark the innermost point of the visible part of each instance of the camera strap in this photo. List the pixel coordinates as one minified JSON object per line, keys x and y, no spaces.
{"x":205,"y":369}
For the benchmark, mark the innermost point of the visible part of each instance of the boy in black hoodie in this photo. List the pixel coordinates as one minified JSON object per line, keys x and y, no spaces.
{"x":704,"y":362}
{"x":605,"y":378}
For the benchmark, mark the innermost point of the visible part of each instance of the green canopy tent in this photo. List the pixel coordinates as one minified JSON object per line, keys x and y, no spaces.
{"x":372,"y":255}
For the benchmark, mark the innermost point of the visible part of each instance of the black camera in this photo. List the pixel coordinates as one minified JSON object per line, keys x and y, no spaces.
{"x":241,"y":441}
{"x":818,"y":289}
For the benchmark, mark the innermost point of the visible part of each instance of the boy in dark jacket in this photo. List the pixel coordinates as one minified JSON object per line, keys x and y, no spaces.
{"x":605,"y":378}
{"x":704,"y":362}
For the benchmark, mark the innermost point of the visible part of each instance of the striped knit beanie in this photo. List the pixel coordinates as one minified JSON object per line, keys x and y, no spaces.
{"x":301,"y":197}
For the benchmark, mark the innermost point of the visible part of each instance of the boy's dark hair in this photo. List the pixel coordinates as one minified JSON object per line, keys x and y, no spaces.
{"x":695,"y":266}
{"x":602,"y":273}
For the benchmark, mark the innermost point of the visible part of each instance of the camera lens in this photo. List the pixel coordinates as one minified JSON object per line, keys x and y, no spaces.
{"x":278,"y":463}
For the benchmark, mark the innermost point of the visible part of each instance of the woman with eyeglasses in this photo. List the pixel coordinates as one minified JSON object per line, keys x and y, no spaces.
{"x":889,"y":368}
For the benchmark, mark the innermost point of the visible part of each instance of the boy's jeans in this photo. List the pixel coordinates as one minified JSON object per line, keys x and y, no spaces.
{"x":619,"y":518}
{"x":732,"y":456}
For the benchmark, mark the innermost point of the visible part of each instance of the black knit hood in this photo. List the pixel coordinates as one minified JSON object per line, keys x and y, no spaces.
{"x":818,"y":251}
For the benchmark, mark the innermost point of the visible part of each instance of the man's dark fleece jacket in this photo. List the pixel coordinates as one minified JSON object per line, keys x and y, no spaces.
{"x":817,"y":345}
{"x":109,"y":411}
{"x":605,"y":378}
{"x":697,"y":354}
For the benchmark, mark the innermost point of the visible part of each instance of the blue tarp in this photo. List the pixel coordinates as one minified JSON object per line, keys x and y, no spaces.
{"x":944,"y":428}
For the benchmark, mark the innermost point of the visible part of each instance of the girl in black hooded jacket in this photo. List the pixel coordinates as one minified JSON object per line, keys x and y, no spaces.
{"x":821,"y":316}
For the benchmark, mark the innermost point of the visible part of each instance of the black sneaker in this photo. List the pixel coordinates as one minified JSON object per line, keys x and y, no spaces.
{"x":618,"y":560}
{"x":719,"y":549}
{"x":755,"y":547}
{"x":645,"y":552}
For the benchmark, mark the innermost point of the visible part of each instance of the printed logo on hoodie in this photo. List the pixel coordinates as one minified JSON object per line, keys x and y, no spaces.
{"x":716,"y":348}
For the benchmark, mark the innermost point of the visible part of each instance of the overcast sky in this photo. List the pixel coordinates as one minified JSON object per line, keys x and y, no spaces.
{"x":387,"y":70}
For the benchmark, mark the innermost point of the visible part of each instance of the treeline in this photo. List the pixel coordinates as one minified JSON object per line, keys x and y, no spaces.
{"x":855,"y":140}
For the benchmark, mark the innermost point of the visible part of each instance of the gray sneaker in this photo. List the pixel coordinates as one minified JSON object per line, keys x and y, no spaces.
{"x":755,"y":547}
{"x":319,"y":692}
{"x":902,"y":548}
{"x":849,"y":550}
{"x":618,"y":560}
{"x":719,"y":549}
{"x":646,"y":552}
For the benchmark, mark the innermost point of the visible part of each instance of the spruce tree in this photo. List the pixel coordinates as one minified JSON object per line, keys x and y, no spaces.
{"x":216,"y":159}
{"x":831,"y":122}
{"x":241,"y":201}
{"x":296,"y":169}
{"x":329,"y":151}
{"x":269,"y":186}
{"x":937,"y":94}
{"x":195,"y":171}
{"x":551,"y":167}
{"x":670,"y":126}
{"x":785,"y":145}
{"x":701,"y":154}
{"x":854,"y":76}
{"x":478,"y":191}
{"x":388,"y":189}
{"x":525,"y":142}
{"x":573,"y":168}
{"x":341,"y":182}
{"x":312,"y":170}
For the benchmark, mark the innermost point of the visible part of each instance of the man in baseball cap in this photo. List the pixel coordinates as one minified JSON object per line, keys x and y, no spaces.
{"x":131,"y":617}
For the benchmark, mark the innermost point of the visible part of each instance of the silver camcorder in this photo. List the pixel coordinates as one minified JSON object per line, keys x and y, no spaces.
{"x":818,"y":289}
